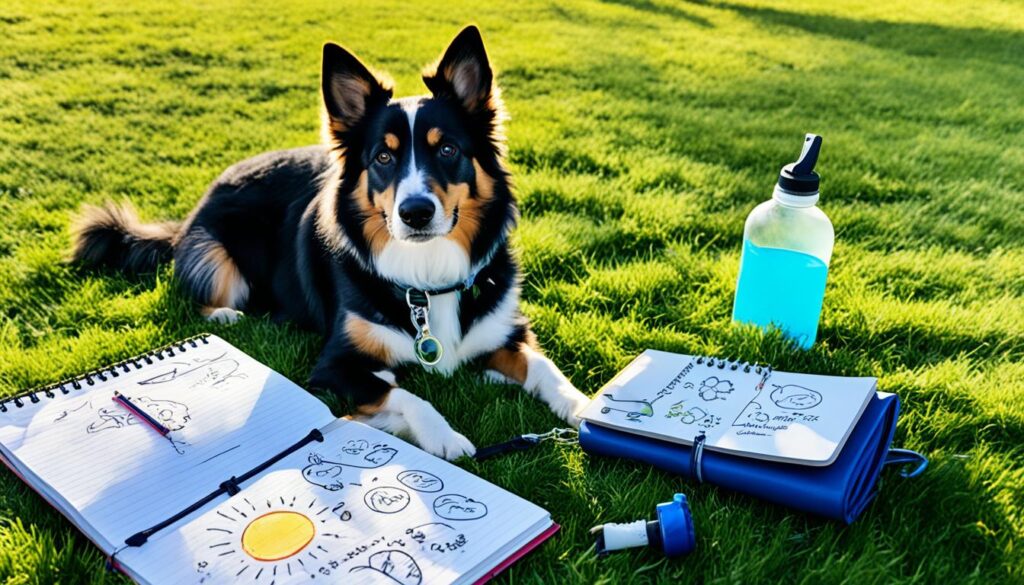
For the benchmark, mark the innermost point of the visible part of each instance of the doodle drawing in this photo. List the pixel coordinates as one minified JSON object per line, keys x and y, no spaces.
{"x":420,"y":481}
{"x":429,"y":532}
{"x":64,"y":413}
{"x":459,"y":507}
{"x":254,"y":541}
{"x":202,"y":571}
{"x":340,"y":511}
{"x":395,"y":565}
{"x":173,"y":415}
{"x":277,"y":535}
{"x":329,"y":474}
{"x":202,"y":372}
{"x":386,"y":499}
{"x":355,"y":446}
{"x":714,"y":389}
{"x":752,"y":413}
{"x":795,"y":397}
{"x":634,"y":409}
{"x":694,"y":414}
{"x":686,"y":416}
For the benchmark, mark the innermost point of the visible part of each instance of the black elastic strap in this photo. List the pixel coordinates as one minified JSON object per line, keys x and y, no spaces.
{"x":229,"y":487}
{"x":519,"y":443}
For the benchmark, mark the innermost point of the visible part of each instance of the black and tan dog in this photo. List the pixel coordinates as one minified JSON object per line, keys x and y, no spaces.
{"x":391,"y":239}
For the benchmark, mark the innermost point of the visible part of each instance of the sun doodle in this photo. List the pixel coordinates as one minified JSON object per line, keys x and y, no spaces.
{"x":273,"y":540}
{"x":277,"y":535}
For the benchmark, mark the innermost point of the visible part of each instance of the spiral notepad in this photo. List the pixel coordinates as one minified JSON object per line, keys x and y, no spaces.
{"x":744,"y":409}
{"x":256,"y":480}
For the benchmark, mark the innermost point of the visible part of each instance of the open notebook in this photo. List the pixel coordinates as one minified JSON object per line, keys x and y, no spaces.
{"x":257,"y":482}
{"x":741,"y":409}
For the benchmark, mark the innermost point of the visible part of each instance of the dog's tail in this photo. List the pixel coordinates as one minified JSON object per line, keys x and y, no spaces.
{"x":113,"y":236}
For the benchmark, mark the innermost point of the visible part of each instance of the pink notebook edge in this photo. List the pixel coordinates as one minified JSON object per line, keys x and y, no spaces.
{"x":519,"y":554}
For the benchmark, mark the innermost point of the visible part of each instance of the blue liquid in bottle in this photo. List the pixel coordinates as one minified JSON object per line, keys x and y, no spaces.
{"x":782,"y":288}
{"x":787,"y":245}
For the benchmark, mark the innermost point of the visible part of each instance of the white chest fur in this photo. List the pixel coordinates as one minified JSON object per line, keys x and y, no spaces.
{"x":444,"y":325}
{"x":437,"y":264}
{"x":434,"y":264}
{"x":487,"y":334}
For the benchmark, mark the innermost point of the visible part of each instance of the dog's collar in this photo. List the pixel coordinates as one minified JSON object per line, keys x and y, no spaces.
{"x":429,"y":349}
{"x":421,"y":297}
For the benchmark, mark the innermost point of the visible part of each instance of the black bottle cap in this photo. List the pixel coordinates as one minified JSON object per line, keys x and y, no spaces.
{"x":799,"y":177}
{"x":654,"y":535}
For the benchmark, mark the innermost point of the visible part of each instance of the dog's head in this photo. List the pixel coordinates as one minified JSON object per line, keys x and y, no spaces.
{"x":421,"y":172}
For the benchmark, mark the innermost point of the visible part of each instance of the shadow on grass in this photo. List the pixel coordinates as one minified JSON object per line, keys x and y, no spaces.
{"x":1002,"y":47}
{"x":658,"y":9}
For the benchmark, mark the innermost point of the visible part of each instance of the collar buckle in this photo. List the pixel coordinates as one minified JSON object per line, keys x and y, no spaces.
{"x":415,"y":297}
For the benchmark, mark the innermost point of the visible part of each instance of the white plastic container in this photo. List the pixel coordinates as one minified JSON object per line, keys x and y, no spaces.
{"x":787,"y":247}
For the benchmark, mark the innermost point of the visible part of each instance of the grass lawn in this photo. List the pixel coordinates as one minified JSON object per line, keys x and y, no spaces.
{"x":643,"y":132}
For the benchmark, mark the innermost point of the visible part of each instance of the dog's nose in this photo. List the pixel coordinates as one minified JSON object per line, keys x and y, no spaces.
{"x":416,"y":212}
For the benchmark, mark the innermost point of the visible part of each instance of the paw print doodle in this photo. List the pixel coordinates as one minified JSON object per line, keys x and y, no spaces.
{"x":714,"y":389}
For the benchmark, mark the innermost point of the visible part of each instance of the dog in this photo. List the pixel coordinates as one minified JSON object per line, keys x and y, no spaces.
{"x":390,"y":239}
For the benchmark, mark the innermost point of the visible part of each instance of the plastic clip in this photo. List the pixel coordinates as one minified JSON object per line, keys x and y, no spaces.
{"x":565,"y":436}
{"x":231,"y":486}
{"x":697,"y":457}
{"x":523,"y":442}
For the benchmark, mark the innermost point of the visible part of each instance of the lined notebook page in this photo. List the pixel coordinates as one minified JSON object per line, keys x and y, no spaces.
{"x":361,"y":507}
{"x":797,"y":418}
{"x":227,"y":413}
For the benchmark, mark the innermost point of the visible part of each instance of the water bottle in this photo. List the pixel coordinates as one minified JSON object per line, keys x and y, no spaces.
{"x":787,"y":245}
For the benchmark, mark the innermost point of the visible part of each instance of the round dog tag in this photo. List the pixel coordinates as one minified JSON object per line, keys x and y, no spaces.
{"x":428,"y":349}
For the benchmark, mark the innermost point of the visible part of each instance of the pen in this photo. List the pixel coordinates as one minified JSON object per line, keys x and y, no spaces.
{"x":140,"y":414}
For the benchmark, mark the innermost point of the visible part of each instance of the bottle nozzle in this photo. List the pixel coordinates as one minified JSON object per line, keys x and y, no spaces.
{"x":808,"y":156}
{"x":799,"y":178}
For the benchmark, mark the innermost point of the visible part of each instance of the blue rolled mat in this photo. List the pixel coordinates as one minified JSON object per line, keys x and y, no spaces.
{"x":841,"y":490}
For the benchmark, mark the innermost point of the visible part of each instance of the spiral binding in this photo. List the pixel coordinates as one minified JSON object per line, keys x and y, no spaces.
{"x":733,"y":365}
{"x":105,"y":373}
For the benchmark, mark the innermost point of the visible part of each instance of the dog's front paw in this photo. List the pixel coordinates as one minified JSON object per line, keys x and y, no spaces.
{"x":223,"y":315}
{"x":446,"y":443}
{"x":568,"y":402}
{"x":496,"y":377}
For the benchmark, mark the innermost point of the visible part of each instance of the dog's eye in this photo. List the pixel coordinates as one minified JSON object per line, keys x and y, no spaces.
{"x":384,"y":157}
{"x":447,"y":151}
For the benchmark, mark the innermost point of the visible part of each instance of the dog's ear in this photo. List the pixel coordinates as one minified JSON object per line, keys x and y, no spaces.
{"x":464,"y":72}
{"x":350,"y":89}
